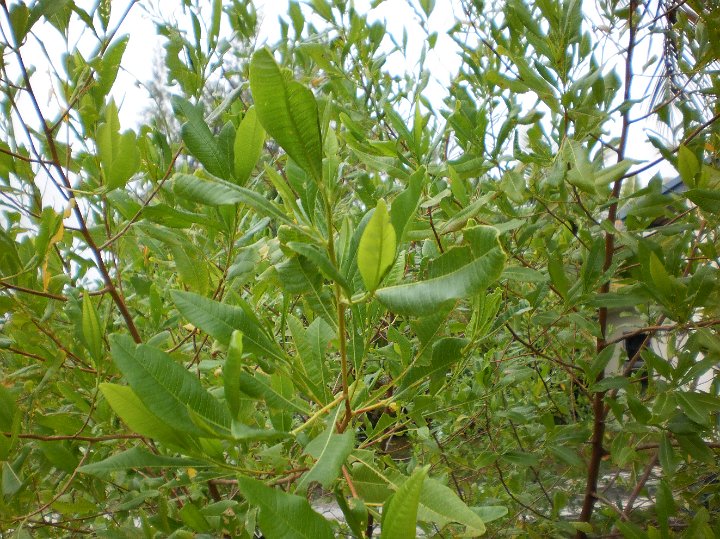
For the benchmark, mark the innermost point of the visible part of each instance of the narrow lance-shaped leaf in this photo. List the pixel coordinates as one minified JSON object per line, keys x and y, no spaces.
{"x":91,"y":329}
{"x":118,"y":153}
{"x":219,"y":320}
{"x":456,"y":280}
{"x":437,"y":504}
{"x":282,"y":515}
{"x":200,"y":141}
{"x":260,"y":387}
{"x":249,"y":140}
{"x":217,"y":192}
{"x":138,"y":458}
{"x":399,"y":516}
{"x":128,"y":406}
{"x":580,"y":173}
{"x":166,"y":387}
{"x":288,"y":112}
{"x":376,"y":252}
{"x":231,"y":373}
{"x":405,"y":204}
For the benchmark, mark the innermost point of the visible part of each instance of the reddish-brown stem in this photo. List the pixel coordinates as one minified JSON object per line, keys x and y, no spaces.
{"x":5,"y":284}
{"x":56,"y":163}
{"x":639,"y":486}
{"x":90,"y":439}
{"x":598,"y":401}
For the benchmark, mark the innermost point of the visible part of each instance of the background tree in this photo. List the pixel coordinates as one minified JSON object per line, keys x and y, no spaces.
{"x":322,"y":284}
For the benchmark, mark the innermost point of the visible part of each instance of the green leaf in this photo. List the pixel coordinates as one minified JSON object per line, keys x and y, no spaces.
{"x":581,"y":173}
{"x":406,"y":203}
{"x":249,"y":141}
{"x":288,"y":112}
{"x":8,"y":408}
{"x":427,"y":6}
{"x":244,"y":433}
{"x":688,"y":165}
{"x":110,"y":64}
{"x":399,"y":515}
{"x":665,"y":505}
{"x":490,"y":512}
{"x":166,"y":387}
{"x":232,"y":371}
{"x":260,"y":386}
{"x":330,"y":450}
{"x":660,"y":277}
{"x":219,"y":320}
{"x":376,"y":252}
{"x":20,"y":22}
{"x":192,"y":269}
{"x":138,"y":458}
{"x":200,"y":141}
{"x":667,"y":455}
{"x":355,"y":512}
{"x":91,"y":329}
{"x":445,"y":353}
{"x":441,"y":505}
{"x":485,"y":261}
{"x":298,"y":276}
{"x":119,"y":154}
{"x":321,"y":260}
{"x":216,"y":192}
{"x":630,"y":530}
{"x":706,"y":199}
{"x":282,"y":515}
{"x":191,"y":515}
{"x":311,"y":346}
{"x":134,"y":413}
{"x":613,"y":173}
{"x":11,"y":480}
{"x":558,"y":276}
{"x":523,"y":274}
{"x":698,"y":406}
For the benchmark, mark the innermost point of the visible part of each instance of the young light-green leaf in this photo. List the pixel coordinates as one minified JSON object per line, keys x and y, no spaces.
{"x":118,"y":153}
{"x":440,"y":505}
{"x":399,"y":516}
{"x":288,"y":112}
{"x":128,"y":406}
{"x":249,"y":140}
{"x":485,"y":263}
{"x":282,"y":515}
{"x":376,"y":252}
{"x":91,"y":328}
{"x":231,"y":373}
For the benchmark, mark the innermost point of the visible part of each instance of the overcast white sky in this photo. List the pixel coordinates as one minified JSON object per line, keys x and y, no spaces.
{"x":442,"y":62}
{"x":145,"y":46}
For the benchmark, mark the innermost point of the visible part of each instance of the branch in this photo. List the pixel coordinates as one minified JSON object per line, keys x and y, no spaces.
{"x":117,"y":298}
{"x":690,"y":137}
{"x":24,"y":290}
{"x":154,"y":192}
{"x":639,"y":486}
{"x":599,"y":409}
{"x":90,"y":439}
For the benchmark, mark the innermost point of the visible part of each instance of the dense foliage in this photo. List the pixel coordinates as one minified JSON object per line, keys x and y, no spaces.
{"x":326,"y":289}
